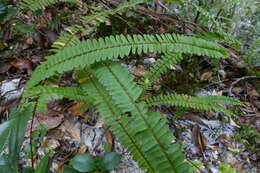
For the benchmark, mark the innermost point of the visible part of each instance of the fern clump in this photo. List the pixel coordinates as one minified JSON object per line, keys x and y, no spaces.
{"x":109,"y":87}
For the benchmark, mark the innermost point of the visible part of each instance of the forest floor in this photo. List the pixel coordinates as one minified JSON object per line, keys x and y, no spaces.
{"x":209,"y":138}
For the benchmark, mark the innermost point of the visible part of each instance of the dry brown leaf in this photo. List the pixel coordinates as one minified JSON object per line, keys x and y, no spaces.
{"x":82,"y":149}
{"x":4,"y":67}
{"x":257,"y":104}
{"x":109,"y":140}
{"x":73,"y":131}
{"x":251,"y":91}
{"x":194,"y":118}
{"x":205,"y":76}
{"x":139,"y":71}
{"x":50,"y":122}
{"x":75,"y":109}
{"x":237,"y":90}
{"x":22,"y":64}
{"x":45,"y":20}
{"x":198,"y":138}
{"x":27,"y":42}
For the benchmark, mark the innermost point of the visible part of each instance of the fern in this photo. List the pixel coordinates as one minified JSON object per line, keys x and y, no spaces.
{"x":210,"y":17}
{"x":147,"y":134}
{"x":252,"y":56}
{"x":89,"y":24}
{"x":91,"y":51}
{"x":65,"y":40}
{"x":202,"y":103}
{"x":45,"y":94}
{"x":35,"y":5}
{"x":159,"y":68}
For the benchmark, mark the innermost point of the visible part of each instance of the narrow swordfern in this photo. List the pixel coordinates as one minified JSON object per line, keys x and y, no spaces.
{"x":92,"y":51}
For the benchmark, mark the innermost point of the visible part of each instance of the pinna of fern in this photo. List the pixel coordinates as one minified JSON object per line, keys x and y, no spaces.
{"x":202,"y":103}
{"x":44,"y":94}
{"x":91,"y":51}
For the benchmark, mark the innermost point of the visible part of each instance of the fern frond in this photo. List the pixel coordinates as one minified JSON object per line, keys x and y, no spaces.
{"x":111,"y":113}
{"x":202,"y":103}
{"x":46,"y":93}
{"x":159,"y":68}
{"x":146,"y":126}
{"x":252,"y":55}
{"x":91,"y":22}
{"x":35,"y":5}
{"x":91,"y":51}
{"x":65,"y":40}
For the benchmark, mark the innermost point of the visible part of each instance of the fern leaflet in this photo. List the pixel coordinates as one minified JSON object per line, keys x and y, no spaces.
{"x":202,"y":103}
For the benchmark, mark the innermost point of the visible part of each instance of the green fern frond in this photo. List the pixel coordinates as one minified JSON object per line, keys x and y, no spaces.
{"x":159,"y":68}
{"x":91,"y":22}
{"x":45,"y":94}
{"x":65,"y":40}
{"x":35,"y":5}
{"x":202,"y":103}
{"x":147,"y":127}
{"x":111,"y":113}
{"x":252,"y":55}
{"x":91,"y":51}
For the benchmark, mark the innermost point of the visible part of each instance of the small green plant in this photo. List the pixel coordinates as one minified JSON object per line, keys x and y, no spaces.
{"x":225,"y":168}
{"x":248,"y":133}
{"x":86,"y":163}
{"x":13,"y":132}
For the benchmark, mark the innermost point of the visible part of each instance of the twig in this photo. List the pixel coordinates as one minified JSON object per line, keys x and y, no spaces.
{"x":236,"y":81}
{"x":33,"y":115}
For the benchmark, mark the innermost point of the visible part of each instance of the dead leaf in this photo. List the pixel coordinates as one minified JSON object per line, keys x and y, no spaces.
{"x":50,"y":122}
{"x":138,"y":72}
{"x":4,"y":67}
{"x":75,"y":109}
{"x":198,"y":138}
{"x":22,"y":64}
{"x":251,"y":91}
{"x":82,"y":149}
{"x":109,"y":140}
{"x":237,"y":90}
{"x":27,"y":42}
{"x":73,"y":130}
{"x":205,"y":76}
{"x":45,"y":20}
{"x":194,"y":118}
{"x":257,"y":104}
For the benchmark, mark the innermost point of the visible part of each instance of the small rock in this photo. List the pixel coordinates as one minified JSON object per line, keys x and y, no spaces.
{"x":149,"y":61}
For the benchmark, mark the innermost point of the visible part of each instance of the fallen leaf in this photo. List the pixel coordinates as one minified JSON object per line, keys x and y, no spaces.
{"x":22,"y":64}
{"x":75,"y":109}
{"x":4,"y":67}
{"x":50,"y":122}
{"x":73,"y":130}
{"x":205,"y":76}
{"x":194,"y":118}
{"x":257,"y":104}
{"x":138,"y":72}
{"x":251,"y":91}
{"x":27,"y":42}
{"x":237,"y":90}
{"x":109,"y":140}
{"x":198,"y":138}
